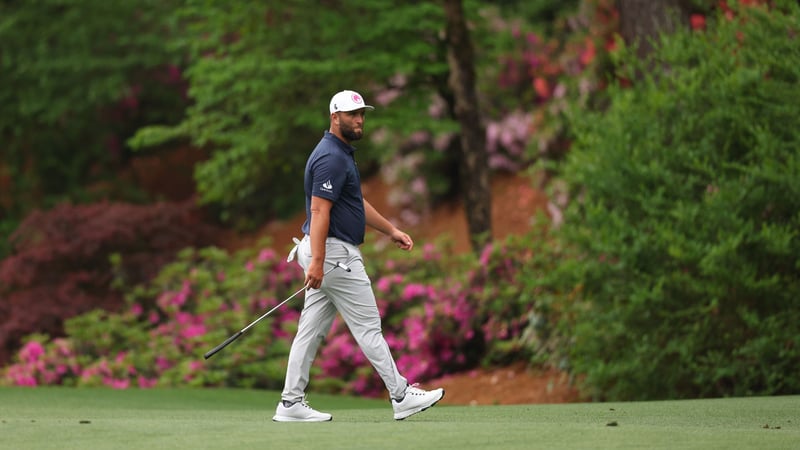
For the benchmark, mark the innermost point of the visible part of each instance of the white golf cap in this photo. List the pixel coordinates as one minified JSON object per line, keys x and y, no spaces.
{"x":348,"y":101}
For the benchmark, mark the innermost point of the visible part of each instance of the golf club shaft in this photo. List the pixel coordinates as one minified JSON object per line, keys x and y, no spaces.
{"x":235,"y":336}
{"x":274,"y":308}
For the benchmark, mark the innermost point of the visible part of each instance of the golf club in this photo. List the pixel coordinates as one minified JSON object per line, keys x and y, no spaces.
{"x":214,"y":350}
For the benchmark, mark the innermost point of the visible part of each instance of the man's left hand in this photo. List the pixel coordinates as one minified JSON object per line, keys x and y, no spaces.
{"x":402,"y":240}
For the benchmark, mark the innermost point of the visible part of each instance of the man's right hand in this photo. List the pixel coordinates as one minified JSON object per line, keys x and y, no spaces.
{"x":314,"y":274}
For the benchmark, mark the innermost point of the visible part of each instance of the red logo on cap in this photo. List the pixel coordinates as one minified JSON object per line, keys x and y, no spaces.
{"x":356,"y":98}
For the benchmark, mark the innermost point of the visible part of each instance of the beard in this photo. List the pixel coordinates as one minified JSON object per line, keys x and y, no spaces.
{"x":350,"y":133}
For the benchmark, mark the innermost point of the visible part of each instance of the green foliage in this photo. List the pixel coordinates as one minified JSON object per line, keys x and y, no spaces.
{"x":687,"y":192}
{"x":77,"y":78}
{"x":261,"y":79}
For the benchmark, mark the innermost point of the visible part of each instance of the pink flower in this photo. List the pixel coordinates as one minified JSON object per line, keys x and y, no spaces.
{"x":429,"y":252}
{"x":50,"y":377}
{"x":162,"y":363}
{"x":180,"y":298}
{"x":193,"y":331}
{"x":249,"y":266}
{"x":115,"y":383}
{"x":415,"y":330}
{"x":384,"y":284}
{"x":413,"y":290}
{"x":164,"y":300}
{"x":394,"y":341}
{"x":183,"y":318}
{"x":266,"y":255}
{"x":145,"y":383}
{"x":412,"y":367}
{"x":588,"y":54}
{"x":486,"y":255}
{"x":446,"y":355}
{"x":291,"y":316}
{"x":25,"y":380}
{"x":136,"y":309}
{"x":383,"y":305}
{"x":31,"y":351}
{"x":63,"y":347}
{"x":430,"y":312}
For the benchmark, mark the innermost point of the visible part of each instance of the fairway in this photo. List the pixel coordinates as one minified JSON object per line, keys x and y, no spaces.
{"x":64,"y":418}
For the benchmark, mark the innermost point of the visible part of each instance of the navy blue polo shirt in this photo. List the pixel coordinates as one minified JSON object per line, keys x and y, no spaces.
{"x":331,"y":173}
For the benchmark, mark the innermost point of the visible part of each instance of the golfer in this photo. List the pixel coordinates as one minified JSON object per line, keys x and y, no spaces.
{"x":336,"y":216}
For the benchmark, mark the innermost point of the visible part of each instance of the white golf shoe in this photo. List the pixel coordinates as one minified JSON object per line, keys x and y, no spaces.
{"x":299,"y":412}
{"x":415,"y":400}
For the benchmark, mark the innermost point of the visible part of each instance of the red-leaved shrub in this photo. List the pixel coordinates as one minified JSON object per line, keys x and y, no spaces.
{"x":60,"y":262}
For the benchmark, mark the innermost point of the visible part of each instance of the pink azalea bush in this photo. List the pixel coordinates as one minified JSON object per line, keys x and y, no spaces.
{"x":41,"y":364}
{"x":434,"y":323}
{"x":497,"y":311}
{"x":191,"y":306}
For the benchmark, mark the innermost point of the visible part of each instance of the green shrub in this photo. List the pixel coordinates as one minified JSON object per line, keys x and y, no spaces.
{"x":687,"y":215}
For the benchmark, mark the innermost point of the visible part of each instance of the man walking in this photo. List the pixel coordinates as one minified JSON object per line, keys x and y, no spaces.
{"x":336,"y":216}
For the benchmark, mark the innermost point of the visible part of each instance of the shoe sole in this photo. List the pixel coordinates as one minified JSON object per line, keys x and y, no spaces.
{"x":295,"y":419}
{"x":410,"y":413}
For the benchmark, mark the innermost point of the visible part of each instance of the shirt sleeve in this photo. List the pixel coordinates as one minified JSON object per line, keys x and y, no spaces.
{"x":328,"y":177}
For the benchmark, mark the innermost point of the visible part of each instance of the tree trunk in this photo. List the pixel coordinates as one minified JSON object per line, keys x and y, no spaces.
{"x":641,"y":21}
{"x":473,"y":161}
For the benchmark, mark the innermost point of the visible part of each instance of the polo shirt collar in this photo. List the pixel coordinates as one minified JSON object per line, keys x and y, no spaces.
{"x":340,"y":143}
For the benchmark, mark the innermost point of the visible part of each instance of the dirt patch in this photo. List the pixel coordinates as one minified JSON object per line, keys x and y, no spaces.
{"x":512,"y":385}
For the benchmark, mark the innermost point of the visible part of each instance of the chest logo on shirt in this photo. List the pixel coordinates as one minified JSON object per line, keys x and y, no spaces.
{"x":327,"y":186}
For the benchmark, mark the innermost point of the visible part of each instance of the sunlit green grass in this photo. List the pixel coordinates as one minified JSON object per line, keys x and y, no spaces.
{"x":58,"y":418}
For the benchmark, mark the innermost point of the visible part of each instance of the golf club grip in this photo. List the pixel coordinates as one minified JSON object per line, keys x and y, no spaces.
{"x":214,"y":350}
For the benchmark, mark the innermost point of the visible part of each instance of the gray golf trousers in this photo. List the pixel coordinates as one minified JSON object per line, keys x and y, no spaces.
{"x":349,"y":293}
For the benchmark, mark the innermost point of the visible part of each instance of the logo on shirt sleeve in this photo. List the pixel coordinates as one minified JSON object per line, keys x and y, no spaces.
{"x":327,"y":186}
